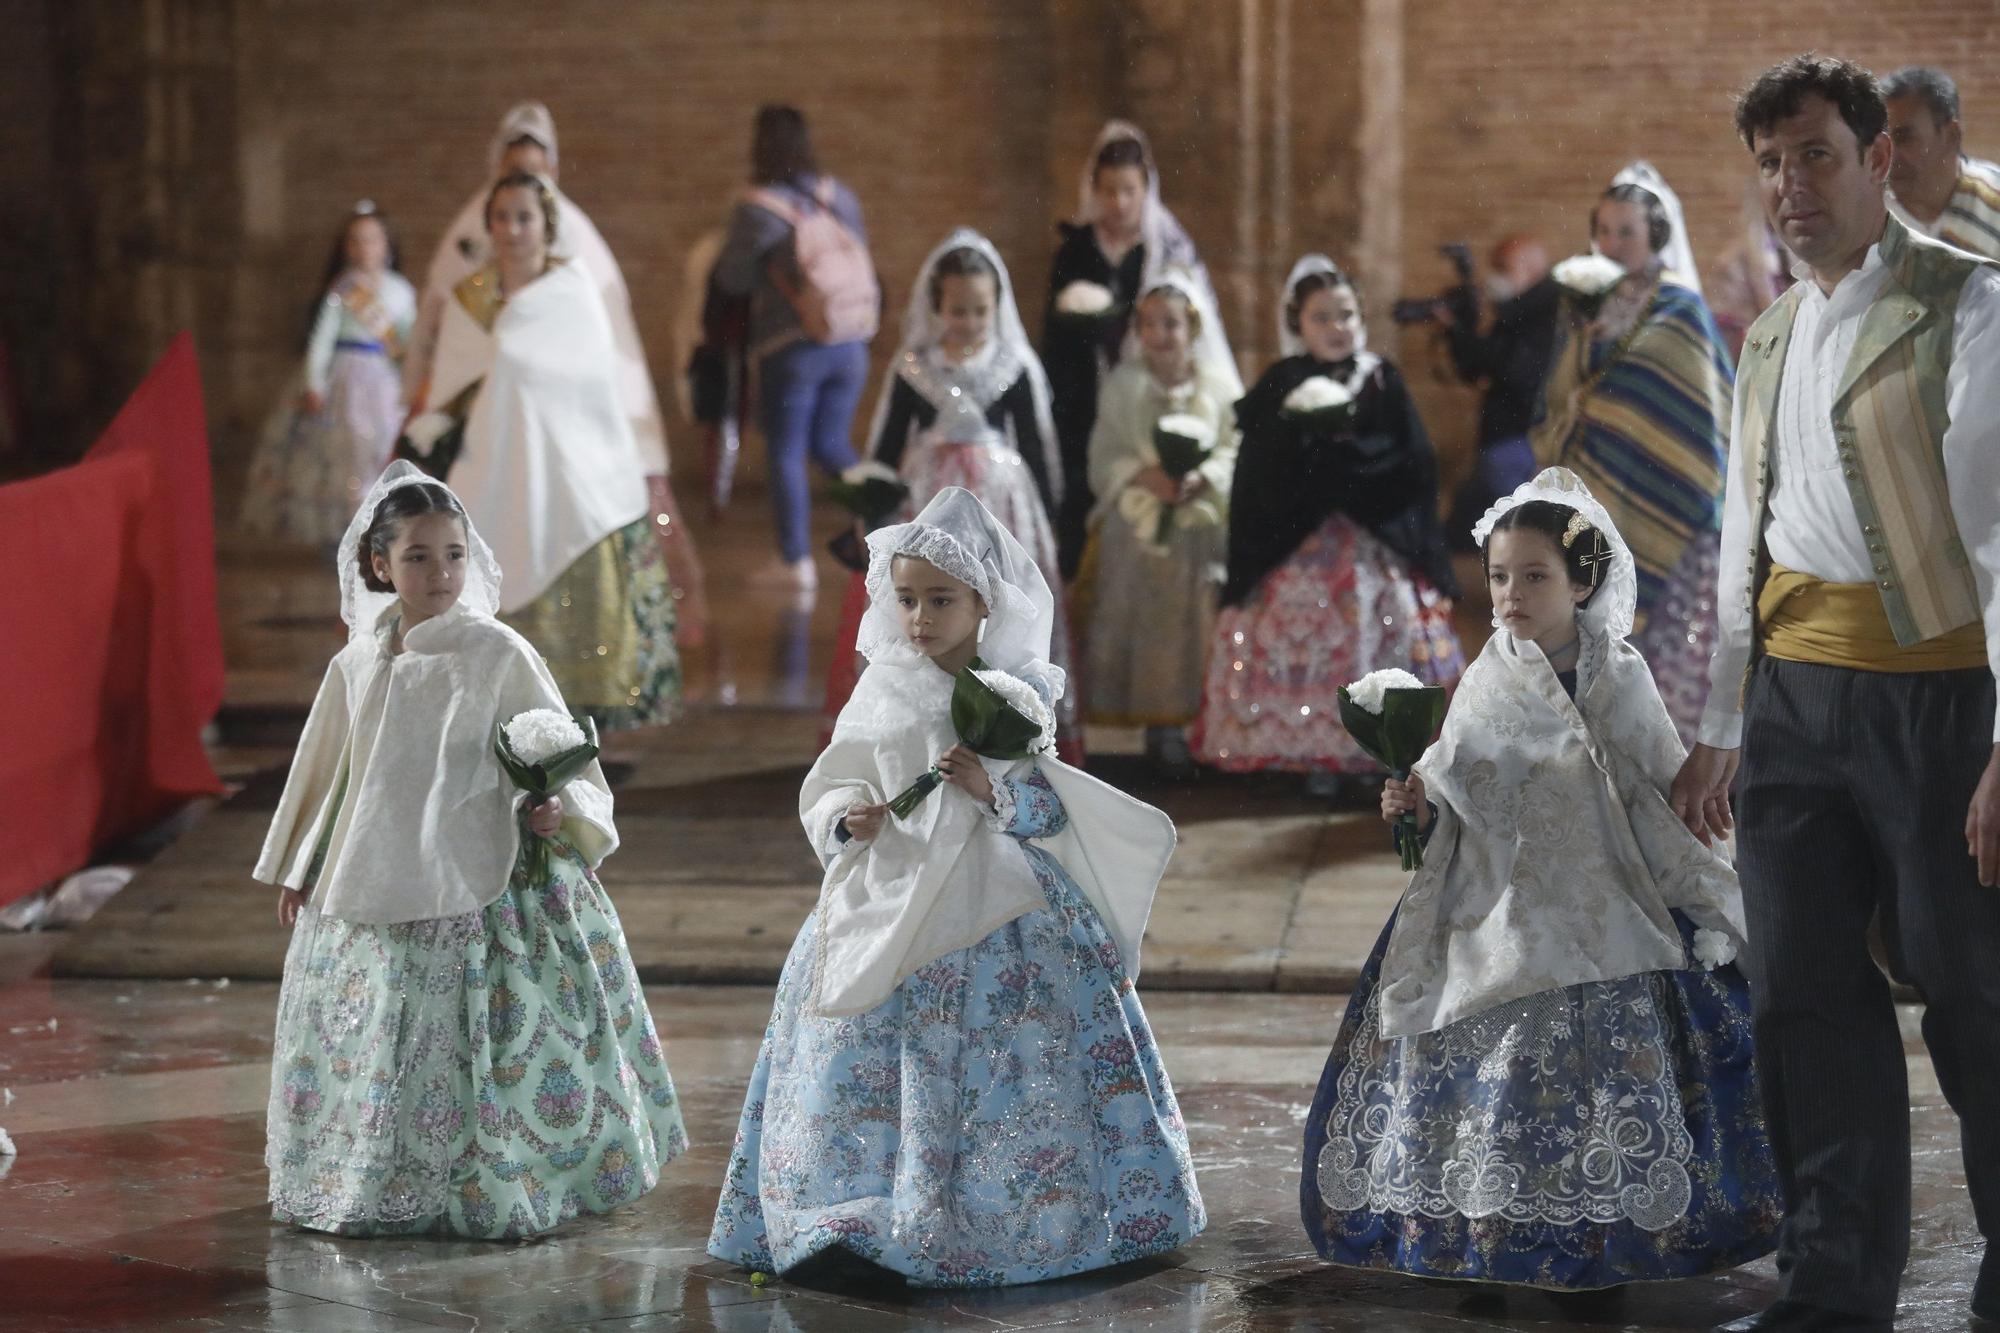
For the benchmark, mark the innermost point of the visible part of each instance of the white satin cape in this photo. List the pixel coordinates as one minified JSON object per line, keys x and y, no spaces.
{"x":1556,"y":856}
{"x":465,"y":249}
{"x":548,"y":468}
{"x":428,"y":827}
{"x":946,"y":878}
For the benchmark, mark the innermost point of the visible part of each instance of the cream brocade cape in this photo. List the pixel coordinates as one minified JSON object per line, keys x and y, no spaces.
{"x":948,"y":876}
{"x":428,"y":826}
{"x":1556,"y":857}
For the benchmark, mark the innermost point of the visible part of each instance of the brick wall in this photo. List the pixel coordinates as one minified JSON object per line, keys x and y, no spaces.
{"x":1519,"y":121}
{"x":186,"y":161}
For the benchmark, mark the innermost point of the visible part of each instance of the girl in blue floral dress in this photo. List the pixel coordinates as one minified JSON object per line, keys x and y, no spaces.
{"x":1544,"y":1077}
{"x":958,"y":1082}
{"x":462,"y":1046}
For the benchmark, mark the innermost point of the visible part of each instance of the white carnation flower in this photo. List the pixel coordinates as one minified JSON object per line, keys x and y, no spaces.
{"x":1712,"y":948}
{"x":1367,"y":692}
{"x":1084,"y":298}
{"x":1023,"y":699}
{"x":1188,"y":426}
{"x":1317,"y":395}
{"x":423,"y":432}
{"x":541,"y":734}
{"x":1589,"y":276}
{"x":868,"y":470}
{"x":6,"y":1145}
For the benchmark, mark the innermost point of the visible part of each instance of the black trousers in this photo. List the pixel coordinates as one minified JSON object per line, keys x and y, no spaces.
{"x":1852,"y":799}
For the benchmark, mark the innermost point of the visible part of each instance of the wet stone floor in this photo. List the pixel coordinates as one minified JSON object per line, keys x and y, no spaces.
{"x":137,"y":1198}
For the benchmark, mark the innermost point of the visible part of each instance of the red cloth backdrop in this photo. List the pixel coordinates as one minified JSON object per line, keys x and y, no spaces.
{"x":110,"y":644}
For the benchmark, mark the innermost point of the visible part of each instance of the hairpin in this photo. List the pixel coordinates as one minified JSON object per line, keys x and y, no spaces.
{"x":1599,"y":552}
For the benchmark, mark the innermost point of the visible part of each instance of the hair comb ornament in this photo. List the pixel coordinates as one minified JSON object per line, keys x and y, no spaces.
{"x":1598,"y":552}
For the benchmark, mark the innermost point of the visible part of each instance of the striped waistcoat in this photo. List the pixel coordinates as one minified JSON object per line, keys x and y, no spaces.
{"x":1889,"y":419}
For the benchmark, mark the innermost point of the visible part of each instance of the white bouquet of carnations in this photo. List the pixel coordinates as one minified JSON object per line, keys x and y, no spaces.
{"x":1086,"y":301}
{"x":542,"y":749}
{"x":1587,"y":280}
{"x":1393,"y":716}
{"x":996,"y":715}
{"x":1321,"y":403}
{"x":432,"y":439}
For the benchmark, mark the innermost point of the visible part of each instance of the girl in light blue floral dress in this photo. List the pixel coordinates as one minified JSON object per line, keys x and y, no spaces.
{"x":462,"y":1047}
{"x":958,"y":1082}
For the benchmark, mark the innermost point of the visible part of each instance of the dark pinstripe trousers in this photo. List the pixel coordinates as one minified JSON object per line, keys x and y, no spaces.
{"x":1851,"y":799}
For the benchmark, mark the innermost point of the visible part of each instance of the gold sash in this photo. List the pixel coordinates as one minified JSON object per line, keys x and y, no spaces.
{"x":1804,"y":619}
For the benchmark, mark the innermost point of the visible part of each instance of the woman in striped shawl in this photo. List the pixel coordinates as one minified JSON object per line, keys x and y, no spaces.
{"x":1637,"y":404}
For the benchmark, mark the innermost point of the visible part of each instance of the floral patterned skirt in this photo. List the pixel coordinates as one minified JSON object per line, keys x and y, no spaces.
{"x":1580,"y":1138}
{"x":1002,"y":1118}
{"x":1343,"y":605}
{"x":606,"y":628}
{"x":310,"y":470}
{"x":490,"y":1075}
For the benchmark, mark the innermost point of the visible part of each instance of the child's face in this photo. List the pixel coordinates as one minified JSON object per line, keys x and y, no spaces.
{"x":940,"y":615}
{"x":367,"y":245}
{"x":1330,"y":323}
{"x":1165,"y":335}
{"x":426,"y":565}
{"x":1532,"y":594}
{"x":965,"y":309}
{"x":1120,"y":194}
{"x":516,"y":224}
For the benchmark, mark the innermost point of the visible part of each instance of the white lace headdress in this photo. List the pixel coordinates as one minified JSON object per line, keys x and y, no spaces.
{"x":360,"y":606}
{"x":1212,"y":356}
{"x":1008,"y":340}
{"x":1611,"y":609}
{"x":529,"y":120}
{"x":1678,"y":257}
{"x":1167,"y":242}
{"x":959,"y":535}
{"x":1291,"y":344}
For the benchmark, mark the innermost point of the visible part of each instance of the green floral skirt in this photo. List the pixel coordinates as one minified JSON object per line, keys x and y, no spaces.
{"x":490,"y":1075}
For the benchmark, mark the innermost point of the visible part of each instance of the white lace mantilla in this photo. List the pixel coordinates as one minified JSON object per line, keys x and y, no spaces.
{"x":983,"y":379}
{"x":1560,"y":1108}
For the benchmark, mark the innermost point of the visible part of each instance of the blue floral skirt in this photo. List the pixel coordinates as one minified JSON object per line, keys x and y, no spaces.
{"x":1003,"y":1117}
{"x":491,"y":1075}
{"x":1583,"y":1137}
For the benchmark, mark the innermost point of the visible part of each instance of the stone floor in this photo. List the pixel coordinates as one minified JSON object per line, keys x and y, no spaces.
{"x":134,"y":1053}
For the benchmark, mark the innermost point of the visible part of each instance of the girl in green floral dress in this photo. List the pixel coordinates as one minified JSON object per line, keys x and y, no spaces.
{"x":462,"y":1046}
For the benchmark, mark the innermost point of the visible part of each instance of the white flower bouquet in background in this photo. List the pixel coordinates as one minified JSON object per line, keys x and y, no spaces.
{"x":1587,"y":280}
{"x":542,"y":749}
{"x":1086,"y":302}
{"x":1183,"y":441}
{"x":1394,"y":717}
{"x":1321,"y":403}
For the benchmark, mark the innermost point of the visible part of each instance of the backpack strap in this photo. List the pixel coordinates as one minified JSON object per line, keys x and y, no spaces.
{"x":776,"y":204}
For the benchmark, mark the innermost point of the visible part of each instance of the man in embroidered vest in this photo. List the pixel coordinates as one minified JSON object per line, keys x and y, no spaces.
{"x":1934,"y":187}
{"x":1854,"y":675}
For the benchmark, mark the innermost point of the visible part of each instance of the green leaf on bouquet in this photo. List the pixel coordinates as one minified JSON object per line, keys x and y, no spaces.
{"x":986,"y":723}
{"x":1397,"y":736}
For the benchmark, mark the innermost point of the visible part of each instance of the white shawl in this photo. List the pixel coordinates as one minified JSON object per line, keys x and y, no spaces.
{"x":464,"y":250}
{"x":428,"y":826}
{"x":946,"y":877}
{"x":548,"y":468}
{"x":1555,"y":857}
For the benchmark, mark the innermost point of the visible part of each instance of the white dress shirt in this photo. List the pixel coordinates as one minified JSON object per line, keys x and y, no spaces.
{"x":1810,"y":524}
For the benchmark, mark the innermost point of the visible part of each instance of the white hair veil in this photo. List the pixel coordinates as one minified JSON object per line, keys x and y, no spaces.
{"x":1617,"y":598}
{"x":361,"y":607}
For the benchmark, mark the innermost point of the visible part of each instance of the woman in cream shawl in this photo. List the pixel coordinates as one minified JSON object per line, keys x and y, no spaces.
{"x":548,"y":467}
{"x":1544,"y":1076}
{"x":958,"y":1082}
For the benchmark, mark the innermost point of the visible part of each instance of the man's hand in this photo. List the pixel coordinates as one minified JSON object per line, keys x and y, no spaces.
{"x":1701,"y":792}
{"x":1982,"y":822}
